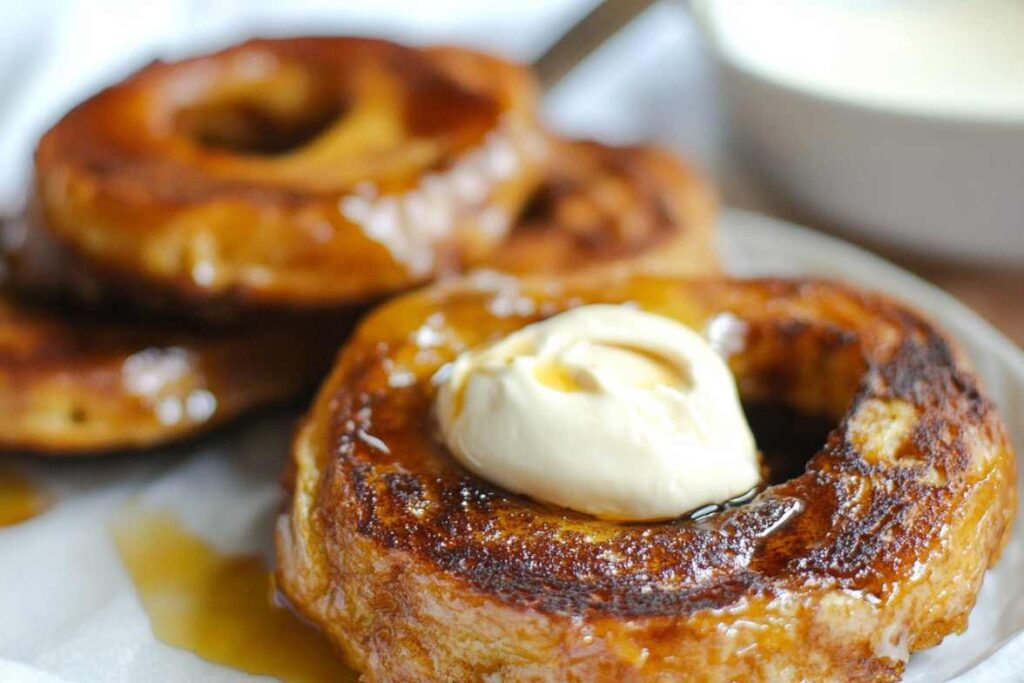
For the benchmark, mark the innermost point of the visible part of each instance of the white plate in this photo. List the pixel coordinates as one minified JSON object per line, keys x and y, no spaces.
{"x":93,"y":630}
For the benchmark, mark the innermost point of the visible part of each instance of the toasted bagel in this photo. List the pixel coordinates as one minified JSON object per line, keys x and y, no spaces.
{"x":74,"y":384}
{"x":295,"y":173}
{"x":876,"y":547}
{"x":598,"y":208}
{"x":602,"y":208}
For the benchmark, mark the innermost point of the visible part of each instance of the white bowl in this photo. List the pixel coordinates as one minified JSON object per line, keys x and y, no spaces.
{"x":941,"y":183}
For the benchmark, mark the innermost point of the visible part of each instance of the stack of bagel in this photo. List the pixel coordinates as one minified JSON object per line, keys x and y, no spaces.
{"x":202,"y":237}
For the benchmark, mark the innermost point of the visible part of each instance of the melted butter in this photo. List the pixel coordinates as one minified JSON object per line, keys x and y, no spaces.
{"x":556,"y":376}
{"x":634,"y":366}
{"x":20,"y":499}
{"x":641,"y":367}
{"x":218,"y":606}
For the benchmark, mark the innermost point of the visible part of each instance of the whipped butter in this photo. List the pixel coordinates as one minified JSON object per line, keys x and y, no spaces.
{"x":604,"y":409}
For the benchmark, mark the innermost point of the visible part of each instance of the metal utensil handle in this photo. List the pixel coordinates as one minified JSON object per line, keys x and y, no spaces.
{"x":584,"y":37}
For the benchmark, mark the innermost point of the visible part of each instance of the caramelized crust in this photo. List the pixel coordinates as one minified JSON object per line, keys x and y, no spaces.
{"x":598,"y":209}
{"x":603,"y":208}
{"x":293,"y":173}
{"x":420,"y":571}
{"x":73,"y":384}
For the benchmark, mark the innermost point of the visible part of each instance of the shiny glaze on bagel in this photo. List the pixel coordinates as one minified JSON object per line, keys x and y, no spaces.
{"x":598,"y":208}
{"x":75,"y":383}
{"x":297,"y":173}
{"x":601,"y":207}
{"x":420,"y":571}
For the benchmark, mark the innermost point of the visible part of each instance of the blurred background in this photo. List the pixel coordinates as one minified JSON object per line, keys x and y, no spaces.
{"x":897,"y":124}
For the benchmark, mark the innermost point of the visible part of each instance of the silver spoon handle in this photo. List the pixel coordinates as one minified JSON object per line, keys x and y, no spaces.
{"x":584,"y":37}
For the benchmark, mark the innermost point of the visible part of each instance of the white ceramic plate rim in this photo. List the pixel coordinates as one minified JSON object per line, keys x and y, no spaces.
{"x":852,"y":263}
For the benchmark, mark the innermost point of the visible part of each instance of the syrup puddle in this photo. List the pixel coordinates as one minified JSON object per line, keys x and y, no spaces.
{"x":216,"y":605}
{"x":20,"y":499}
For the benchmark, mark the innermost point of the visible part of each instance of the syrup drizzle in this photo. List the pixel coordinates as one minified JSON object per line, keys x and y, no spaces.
{"x":219,"y":606}
{"x":713,"y":508}
{"x":786,"y":439}
{"x":20,"y":499}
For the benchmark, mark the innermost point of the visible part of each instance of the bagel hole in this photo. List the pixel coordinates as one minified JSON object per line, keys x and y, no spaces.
{"x":787,"y":438}
{"x":258,"y":126}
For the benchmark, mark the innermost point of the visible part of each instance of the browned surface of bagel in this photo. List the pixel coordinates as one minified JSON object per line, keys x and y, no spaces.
{"x":600,"y":207}
{"x":420,"y":571}
{"x":299,"y":172}
{"x":74,"y":384}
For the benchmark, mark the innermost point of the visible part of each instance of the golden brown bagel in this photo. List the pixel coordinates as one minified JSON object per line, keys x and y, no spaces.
{"x":877,"y":547}
{"x":74,"y":384}
{"x":597,"y":208}
{"x":601,"y":208}
{"x":294,"y":173}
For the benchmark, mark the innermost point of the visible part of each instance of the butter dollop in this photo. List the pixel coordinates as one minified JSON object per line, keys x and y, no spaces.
{"x":604,"y":409}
